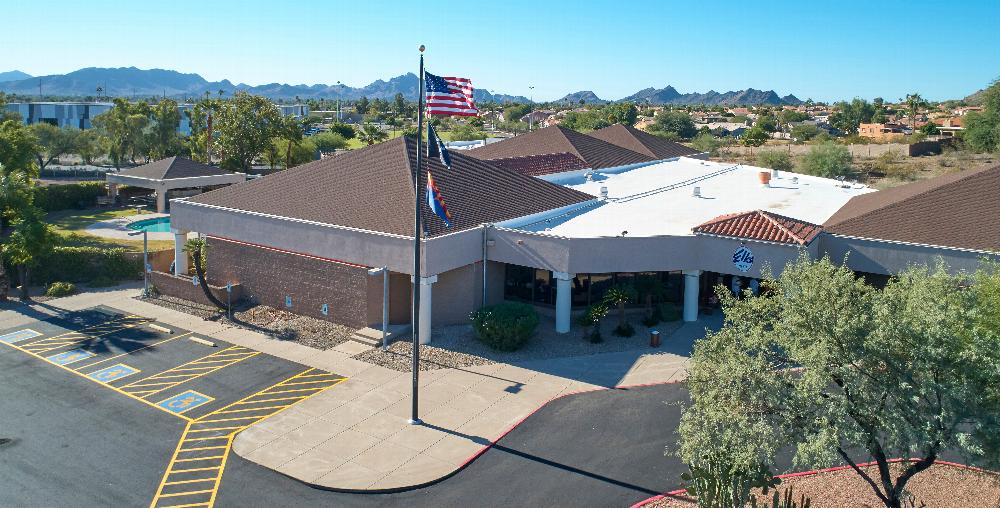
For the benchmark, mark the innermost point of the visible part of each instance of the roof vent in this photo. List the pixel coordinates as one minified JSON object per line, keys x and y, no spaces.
{"x":795,"y":179}
{"x":604,"y":192}
{"x":696,"y":191}
{"x":589,"y":175}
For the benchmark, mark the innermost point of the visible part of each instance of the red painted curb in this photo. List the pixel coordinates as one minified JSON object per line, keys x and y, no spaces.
{"x":678,"y":492}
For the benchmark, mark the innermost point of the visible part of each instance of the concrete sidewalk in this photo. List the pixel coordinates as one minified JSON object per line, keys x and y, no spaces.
{"x":356,"y":436}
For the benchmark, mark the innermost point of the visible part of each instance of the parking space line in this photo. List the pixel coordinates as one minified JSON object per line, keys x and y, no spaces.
{"x":134,"y":351}
{"x":105,"y":323}
{"x":193,"y":427}
{"x":84,"y":376}
{"x":192,"y":373}
{"x":59,"y":341}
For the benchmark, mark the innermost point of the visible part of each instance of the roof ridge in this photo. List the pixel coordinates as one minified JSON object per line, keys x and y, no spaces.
{"x":772,"y":220}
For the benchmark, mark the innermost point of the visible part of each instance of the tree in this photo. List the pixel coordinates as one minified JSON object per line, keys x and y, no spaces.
{"x":289,"y":130}
{"x":162,"y":139}
{"x":913,"y":103}
{"x":15,"y":198}
{"x":837,"y":370}
{"x":328,"y":141}
{"x":754,"y":136}
{"x":361,"y":106}
{"x":345,"y":131}
{"x":246,"y":124}
{"x":775,"y":159}
{"x":18,"y":149}
{"x":31,"y":240}
{"x":123,"y":125}
{"x":804,"y":132}
{"x":707,"y":143}
{"x":197,"y":248}
{"x":466,"y":133}
{"x":289,"y":154}
{"x":618,"y":296}
{"x":622,"y":112}
{"x":767,"y":122}
{"x":516,"y":112}
{"x":849,"y":115}
{"x":88,"y":145}
{"x":828,"y":160}
{"x":400,"y":103}
{"x":982,"y":129}
{"x":675,"y":123}
{"x":371,"y":134}
{"x":53,"y":142}
{"x":585,"y":121}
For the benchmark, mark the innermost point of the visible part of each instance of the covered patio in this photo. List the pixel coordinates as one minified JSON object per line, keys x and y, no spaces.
{"x":171,"y":174}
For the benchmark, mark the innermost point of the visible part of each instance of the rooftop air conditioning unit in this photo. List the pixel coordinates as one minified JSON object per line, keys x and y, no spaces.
{"x":604,"y":192}
{"x":696,"y":191}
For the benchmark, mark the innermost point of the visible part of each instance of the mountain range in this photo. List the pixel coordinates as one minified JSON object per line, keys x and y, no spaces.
{"x":134,"y":82}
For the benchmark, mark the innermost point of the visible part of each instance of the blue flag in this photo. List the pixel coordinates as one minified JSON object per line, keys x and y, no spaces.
{"x":435,"y":148}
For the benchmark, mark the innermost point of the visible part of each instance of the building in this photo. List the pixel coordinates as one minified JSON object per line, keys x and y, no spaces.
{"x":950,"y":126}
{"x":555,"y":218}
{"x":881,"y":131}
{"x":80,"y":115}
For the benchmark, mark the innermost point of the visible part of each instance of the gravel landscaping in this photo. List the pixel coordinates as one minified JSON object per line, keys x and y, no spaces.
{"x":277,"y":323}
{"x":940,"y":486}
{"x":457,"y":346}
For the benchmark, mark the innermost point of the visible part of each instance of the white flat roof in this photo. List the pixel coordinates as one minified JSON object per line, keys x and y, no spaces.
{"x":658,"y":199}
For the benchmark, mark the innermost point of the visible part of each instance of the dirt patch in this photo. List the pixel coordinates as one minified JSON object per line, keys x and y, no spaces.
{"x":279,"y":324}
{"x":399,"y":357}
{"x":940,"y":486}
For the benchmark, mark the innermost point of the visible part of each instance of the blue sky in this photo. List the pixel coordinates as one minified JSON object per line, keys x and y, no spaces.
{"x":819,"y":50}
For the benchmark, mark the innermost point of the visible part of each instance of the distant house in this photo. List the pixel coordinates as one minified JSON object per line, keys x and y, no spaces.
{"x":951,"y":126}
{"x":881,"y":131}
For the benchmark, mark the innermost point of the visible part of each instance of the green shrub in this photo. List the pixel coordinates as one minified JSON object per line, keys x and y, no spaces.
{"x":828,"y":160}
{"x":52,"y":198}
{"x":506,"y":326}
{"x":652,"y":320}
{"x":625,"y":330}
{"x":58,"y":289}
{"x":669,"y":312}
{"x":102,"y":282}
{"x":775,"y":159}
{"x":85,"y":264}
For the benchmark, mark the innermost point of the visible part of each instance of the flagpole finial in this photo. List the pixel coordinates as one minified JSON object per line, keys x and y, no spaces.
{"x":421,"y":48}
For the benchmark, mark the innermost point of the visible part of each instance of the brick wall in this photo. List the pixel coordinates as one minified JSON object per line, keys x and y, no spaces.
{"x":268,"y":276}
{"x":181,"y":287}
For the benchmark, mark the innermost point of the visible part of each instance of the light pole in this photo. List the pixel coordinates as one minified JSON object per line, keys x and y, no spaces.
{"x":145,"y":261}
{"x":531,"y":105}
{"x":385,"y":303}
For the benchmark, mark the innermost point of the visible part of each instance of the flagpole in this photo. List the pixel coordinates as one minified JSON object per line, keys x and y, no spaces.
{"x":417,"y":234}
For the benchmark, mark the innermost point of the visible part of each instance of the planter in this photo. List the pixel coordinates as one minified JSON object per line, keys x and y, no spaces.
{"x":765,"y":177}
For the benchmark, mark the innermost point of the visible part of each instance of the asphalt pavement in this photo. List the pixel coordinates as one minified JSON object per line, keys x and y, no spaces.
{"x":76,"y":442}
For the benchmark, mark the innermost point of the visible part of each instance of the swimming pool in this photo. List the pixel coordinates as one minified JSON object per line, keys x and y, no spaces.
{"x":157,"y":225}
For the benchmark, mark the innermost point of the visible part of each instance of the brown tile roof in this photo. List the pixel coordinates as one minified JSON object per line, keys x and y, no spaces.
{"x":643,"y":142}
{"x":173,"y":167}
{"x":536,"y":165}
{"x":954,"y":210}
{"x":372,"y":189}
{"x":761,"y":225}
{"x":596,"y":153}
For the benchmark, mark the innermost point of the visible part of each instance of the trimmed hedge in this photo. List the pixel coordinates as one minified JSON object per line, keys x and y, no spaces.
{"x":85,"y":264}
{"x":505,"y":326}
{"x":52,"y":198}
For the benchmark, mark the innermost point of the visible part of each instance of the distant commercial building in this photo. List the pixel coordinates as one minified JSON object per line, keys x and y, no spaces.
{"x":80,"y":115}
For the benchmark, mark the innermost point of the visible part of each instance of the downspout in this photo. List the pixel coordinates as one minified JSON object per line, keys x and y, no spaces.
{"x":486,"y":228}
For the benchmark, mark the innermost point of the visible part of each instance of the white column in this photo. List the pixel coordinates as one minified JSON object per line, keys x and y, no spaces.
{"x":426,"y":308}
{"x":692,"y":284}
{"x":161,"y":201}
{"x":180,"y":257}
{"x":564,"y":300}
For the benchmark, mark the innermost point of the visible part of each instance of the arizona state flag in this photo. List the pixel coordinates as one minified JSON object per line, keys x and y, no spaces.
{"x":436,"y":202}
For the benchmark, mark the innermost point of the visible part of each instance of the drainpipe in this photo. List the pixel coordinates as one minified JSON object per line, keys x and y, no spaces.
{"x":486,"y":228}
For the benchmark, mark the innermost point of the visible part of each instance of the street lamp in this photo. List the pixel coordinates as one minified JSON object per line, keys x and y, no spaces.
{"x":385,"y":303}
{"x":531,"y":104}
{"x":145,"y":261}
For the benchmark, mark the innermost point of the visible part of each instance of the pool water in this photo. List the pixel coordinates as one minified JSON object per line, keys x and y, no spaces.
{"x":157,"y":225}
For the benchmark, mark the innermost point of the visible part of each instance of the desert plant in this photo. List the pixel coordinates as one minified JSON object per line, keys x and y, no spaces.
{"x":779,"y":501}
{"x":592,"y":319}
{"x":626,"y":330}
{"x":716,"y":483}
{"x":775,"y":159}
{"x":58,"y":289}
{"x":505,"y":326}
{"x":669,"y":312}
{"x":618,"y":296}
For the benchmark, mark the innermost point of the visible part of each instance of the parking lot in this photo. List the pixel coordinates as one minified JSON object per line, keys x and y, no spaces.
{"x":173,"y":388}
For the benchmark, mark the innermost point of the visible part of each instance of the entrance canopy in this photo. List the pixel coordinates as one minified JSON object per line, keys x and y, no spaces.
{"x":171,"y":173}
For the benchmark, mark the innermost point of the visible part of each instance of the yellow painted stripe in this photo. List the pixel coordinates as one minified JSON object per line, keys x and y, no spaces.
{"x":193,"y":459}
{"x":292,"y":391}
{"x":205,"y":438}
{"x":247,"y":410}
{"x":174,"y":471}
{"x":133,"y":351}
{"x":215,"y":429}
{"x":228,"y":419}
{"x":182,"y":482}
{"x":200,"y":448}
{"x":189,"y":505}
{"x":271,"y":400}
{"x":191,"y":493}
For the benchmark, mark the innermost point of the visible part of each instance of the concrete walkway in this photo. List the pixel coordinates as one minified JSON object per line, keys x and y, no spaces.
{"x":356,"y":437}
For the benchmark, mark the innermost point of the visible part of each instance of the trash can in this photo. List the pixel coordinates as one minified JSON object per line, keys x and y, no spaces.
{"x":654,"y":338}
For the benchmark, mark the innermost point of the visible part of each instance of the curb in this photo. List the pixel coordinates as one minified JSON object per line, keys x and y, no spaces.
{"x":813,"y":472}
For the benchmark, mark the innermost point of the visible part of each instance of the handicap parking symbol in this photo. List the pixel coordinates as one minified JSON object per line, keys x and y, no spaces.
{"x":184,"y":401}
{"x":112,"y":373}
{"x":19,"y":335}
{"x":70,"y":356}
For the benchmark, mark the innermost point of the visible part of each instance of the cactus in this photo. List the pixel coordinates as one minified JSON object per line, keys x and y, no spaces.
{"x":777,"y":501}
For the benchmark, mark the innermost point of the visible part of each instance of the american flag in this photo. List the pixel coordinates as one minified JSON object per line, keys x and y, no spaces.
{"x":449,"y":96}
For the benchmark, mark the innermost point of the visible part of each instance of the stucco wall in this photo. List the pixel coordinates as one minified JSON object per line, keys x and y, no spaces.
{"x":888,"y":258}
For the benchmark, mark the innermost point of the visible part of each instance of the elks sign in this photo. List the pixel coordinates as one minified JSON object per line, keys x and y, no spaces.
{"x":743,"y":259}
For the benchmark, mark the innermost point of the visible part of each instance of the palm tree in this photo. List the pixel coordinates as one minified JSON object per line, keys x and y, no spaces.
{"x":32,"y":240}
{"x":618,"y":296}
{"x":291,"y":131}
{"x":197,"y":247}
{"x":914,"y":101}
{"x":372,"y":134}
{"x":15,"y":197}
